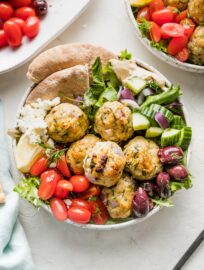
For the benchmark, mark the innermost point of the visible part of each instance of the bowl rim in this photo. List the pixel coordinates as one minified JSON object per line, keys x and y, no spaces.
{"x":117,"y":225}
{"x":161,"y":55}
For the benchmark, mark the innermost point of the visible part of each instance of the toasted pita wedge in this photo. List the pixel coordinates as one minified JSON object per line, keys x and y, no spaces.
{"x":66,"y":83}
{"x":65,"y":56}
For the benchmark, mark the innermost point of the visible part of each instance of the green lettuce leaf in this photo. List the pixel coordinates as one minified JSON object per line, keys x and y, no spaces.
{"x":125,"y":55}
{"x":110,"y":76}
{"x":163,"y":202}
{"x":110,"y":94}
{"x":179,"y":185}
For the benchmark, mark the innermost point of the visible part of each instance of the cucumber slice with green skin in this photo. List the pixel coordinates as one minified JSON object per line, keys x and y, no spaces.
{"x":153,"y":132}
{"x":185,"y":138}
{"x":139,"y":121}
{"x":165,"y":112}
{"x":170,"y":136}
{"x":135,"y":84}
{"x":178,"y":122}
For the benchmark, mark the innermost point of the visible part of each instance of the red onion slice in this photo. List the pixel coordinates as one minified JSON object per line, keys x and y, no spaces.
{"x":130,"y":103}
{"x":161,"y":120}
{"x":127,"y":94}
{"x":148,"y":92}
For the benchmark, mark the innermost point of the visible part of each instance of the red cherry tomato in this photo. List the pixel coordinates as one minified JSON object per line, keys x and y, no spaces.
{"x":162,"y":16}
{"x":79,"y":215}
{"x":183,"y":55}
{"x":6,"y":11}
{"x":1,"y":24}
{"x":18,"y":21}
{"x":62,"y":189}
{"x":80,"y":183}
{"x":93,"y":190}
{"x":63,"y":167}
{"x":51,"y":172}
{"x":172,"y":30}
{"x":24,"y":12}
{"x":80,"y":203}
{"x":20,"y":3}
{"x":155,"y":5}
{"x":98,"y":211}
{"x":181,"y":16}
{"x":155,"y":32}
{"x":13,"y":33}
{"x":3,"y":39}
{"x":188,"y":26}
{"x":143,"y":14}
{"x":176,"y":45}
{"x":59,"y":209}
{"x":174,"y":10}
{"x":39,"y":166}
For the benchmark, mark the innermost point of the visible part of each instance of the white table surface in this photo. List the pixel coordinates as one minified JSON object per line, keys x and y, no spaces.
{"x":154,"y":245}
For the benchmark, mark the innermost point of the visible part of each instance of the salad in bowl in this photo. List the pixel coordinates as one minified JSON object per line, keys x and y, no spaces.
{"x":101,"y":140}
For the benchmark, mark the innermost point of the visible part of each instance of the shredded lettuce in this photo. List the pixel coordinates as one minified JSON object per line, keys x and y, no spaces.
{"x":161,"y":45}
{"x":163,"y":202}
{"x":144,"y":27}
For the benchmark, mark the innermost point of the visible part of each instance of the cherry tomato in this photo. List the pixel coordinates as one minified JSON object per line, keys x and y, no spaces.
{"x":59,"y":209}
{"x":155,"y":5}
{"x":6,"y":11}
{"x":174,"y":10}
{"x":80,"y":203}
{"x":18,"y":21}
{"x":20,"y":3}
{"x":181,"y":16}
{"x":3,"y":39}
{"x":155,"y":32}
{"x":176,"y":45}
{"x":51,"y":173}
{"x":93,"y":190}
{"x":80,"y":183}
{"x":79,"y":215}
{"x":98,"y":212}
{"x":24,"y":12}
{"x":39,"y":166}
{"x":143,"y":14}
{"x":63,"y":167}
{"x":62,"y":189}
{"x":13,"y":33}
{"x":162,"y":16}
{"x":1,"y":24}
{"x":188,"y":26}
{"x":183,"y":55}
{"x":172,"y":30}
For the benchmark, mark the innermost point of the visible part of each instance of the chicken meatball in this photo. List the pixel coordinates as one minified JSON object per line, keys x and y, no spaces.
{"x":180,"y":4}
{"x":66,"y":123}
{"x":196,"y":46}
{"x":113,"y":121}
{"x":142,"y":158}
{"x":196,"y":10}
{"x":104,"y":164}
{"x":77,"y":152}
{"x":118,"y":199}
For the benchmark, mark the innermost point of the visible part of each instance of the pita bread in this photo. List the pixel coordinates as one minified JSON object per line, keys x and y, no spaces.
{"x":70,"y":82}
{"x":65,"y":56}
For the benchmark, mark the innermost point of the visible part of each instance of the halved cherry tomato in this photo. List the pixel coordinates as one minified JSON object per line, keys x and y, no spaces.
{"x":59,"y":209}
{"x":172,"y":30}
{"x":24,"y":12}
{"x":155,"y":32}
{"x":143,"y":14}
{"x":3,"y":39}
{"x":51,"y":173}
{"x":62,"y":189}
{"x":79,"y":215}
{"x":181,"y":16}
{"x":188,"y":26}
{"x":162,"y":16}
{"x":39,"y":166}
{"x":93,"y":190}
{"x":63,"y":167}
{"x":183,"y":55}
{"x":155,"y":5}
{"x":13,"y":33}
{"x":18,"y":21}
{"x":80,"y":203}
{"x":20,"y":3}
{"x":174,"y":10}
{"x":6,"y":11}
{"x":176,"y":45}
{"x":98,"y":212}
{"x":80,"y":183}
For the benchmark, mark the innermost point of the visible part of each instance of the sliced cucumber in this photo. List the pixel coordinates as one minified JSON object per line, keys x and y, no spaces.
{"x":170,"y":136}
{"x":153,"y":132}
{"x":139,"y":121}
{"x":185,"y":138}
{"x":165,"y":112}
{"x":178,"y":122}
{"x":135,"y":84}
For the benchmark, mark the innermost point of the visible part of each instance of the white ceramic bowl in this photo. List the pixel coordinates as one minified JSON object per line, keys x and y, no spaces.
{"x":161,"y":55}
{"x":112,"y":226}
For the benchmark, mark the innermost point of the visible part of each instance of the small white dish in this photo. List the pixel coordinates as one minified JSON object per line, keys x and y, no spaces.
{"x":161,"y":55}
{"x":61,"y":13}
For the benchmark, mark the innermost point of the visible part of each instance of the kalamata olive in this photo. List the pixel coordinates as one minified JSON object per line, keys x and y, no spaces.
{"x":40,"y":7}
{"x":140,"y":203}
{"x":162,"y":180}
{"x":178,"y":172}
{"x":150,"y":188}
{"x":170,"y":155}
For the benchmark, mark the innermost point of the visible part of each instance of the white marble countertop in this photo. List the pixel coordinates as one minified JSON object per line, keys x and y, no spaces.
{"x":156,"y":244}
